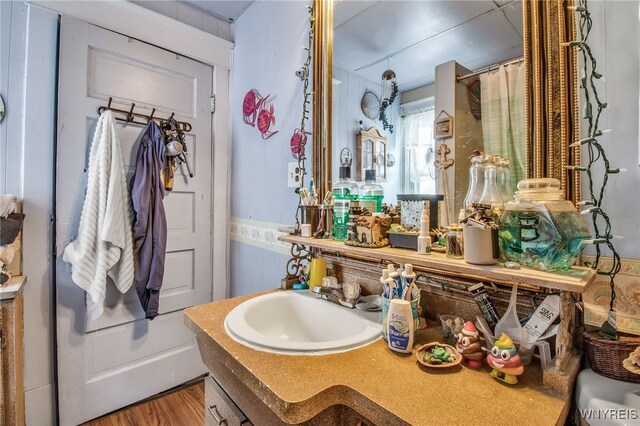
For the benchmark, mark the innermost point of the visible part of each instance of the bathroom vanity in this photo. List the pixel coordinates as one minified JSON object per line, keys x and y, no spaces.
{"x":371,"y":384}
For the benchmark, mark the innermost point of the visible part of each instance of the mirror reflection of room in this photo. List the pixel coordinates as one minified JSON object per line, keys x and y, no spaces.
{"x":458,"y":64}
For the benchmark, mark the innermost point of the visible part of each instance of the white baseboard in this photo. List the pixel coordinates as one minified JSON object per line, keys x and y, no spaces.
{"x":39,"y":409}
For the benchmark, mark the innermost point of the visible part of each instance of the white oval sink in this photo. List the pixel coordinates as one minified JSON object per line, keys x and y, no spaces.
{"x":297,"y":323}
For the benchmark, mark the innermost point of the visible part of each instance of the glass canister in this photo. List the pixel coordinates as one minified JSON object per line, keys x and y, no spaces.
{"x":476,"y":181}
{"x":453,"y":241}
{"x":541,"y":229}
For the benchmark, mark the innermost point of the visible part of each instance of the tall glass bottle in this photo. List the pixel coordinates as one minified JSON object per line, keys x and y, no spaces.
{"x":371,"y":194}
{"x":490,"y":194}
{"x":503,"y":176}
{"x":476,"y":182}
{"x":344,"y":191}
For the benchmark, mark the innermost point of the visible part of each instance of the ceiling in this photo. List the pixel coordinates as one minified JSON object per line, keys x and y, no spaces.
{"x":229,"y":10}
{"x":412,"y":37}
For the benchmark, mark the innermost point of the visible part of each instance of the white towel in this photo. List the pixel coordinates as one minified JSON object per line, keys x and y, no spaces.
{"x":104,"y":245}
{"x":7,"y":204}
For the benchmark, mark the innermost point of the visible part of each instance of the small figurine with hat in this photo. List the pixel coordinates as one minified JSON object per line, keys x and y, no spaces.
{"x":505,"y":360}
{"x":469,"y":346}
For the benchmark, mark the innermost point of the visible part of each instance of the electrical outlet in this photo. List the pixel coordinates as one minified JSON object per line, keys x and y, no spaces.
{"x":293,"y":175}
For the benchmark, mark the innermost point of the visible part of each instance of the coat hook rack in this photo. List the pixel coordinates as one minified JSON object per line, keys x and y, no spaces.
{"x":138,"y":118}
{"x":130,"y":115}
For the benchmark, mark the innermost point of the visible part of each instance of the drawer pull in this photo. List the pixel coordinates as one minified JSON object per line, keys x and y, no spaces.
{"x":216,"y":415}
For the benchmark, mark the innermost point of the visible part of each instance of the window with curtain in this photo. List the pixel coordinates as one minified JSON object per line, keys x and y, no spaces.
{"x":418,"y":153}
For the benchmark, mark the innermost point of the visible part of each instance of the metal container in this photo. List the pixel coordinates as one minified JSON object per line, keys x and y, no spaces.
{"x":310,"y":215}
{"x":480,"y":245}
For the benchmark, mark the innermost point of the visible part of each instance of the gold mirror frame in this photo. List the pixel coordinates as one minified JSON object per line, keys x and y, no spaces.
{"x":552,"y":103}
{"x":552,"y":115}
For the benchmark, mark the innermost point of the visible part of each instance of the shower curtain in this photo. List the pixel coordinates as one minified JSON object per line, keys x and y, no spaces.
{"x":503,"y":116}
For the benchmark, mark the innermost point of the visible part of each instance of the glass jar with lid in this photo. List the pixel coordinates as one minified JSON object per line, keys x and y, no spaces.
{"x":453,"y":241}
{"x":541,"y":229}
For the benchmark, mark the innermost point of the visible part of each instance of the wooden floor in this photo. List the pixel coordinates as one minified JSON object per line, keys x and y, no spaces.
{"x":181,"y":407}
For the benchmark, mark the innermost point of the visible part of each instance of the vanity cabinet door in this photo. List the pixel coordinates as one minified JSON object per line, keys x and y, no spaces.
{"x":219,"y":408}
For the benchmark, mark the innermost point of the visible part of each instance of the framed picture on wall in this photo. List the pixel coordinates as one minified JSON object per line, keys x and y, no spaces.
{"x":443,"y":126}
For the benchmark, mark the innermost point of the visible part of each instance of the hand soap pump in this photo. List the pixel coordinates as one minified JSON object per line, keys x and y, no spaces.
{"x":424,"y":240}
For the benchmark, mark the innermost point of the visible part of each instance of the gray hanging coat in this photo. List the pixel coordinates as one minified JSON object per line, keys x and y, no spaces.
{"x":150,"y":225}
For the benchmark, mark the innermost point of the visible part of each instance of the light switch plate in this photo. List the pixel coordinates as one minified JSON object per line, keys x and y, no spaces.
{"x":293,"y":175}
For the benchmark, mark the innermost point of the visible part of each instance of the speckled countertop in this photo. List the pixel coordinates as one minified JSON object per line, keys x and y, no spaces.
{"x":383,"y":386}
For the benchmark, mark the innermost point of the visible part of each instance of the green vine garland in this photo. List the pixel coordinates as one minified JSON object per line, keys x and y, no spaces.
{"x":306,"y":113}
{"x":594,"y":107}
{"x":386,"y":102}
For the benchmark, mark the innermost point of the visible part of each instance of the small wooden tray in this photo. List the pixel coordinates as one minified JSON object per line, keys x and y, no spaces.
{"x":457,"y":358}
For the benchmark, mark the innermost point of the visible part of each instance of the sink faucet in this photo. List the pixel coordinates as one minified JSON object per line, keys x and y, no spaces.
{"x":334,"y":295}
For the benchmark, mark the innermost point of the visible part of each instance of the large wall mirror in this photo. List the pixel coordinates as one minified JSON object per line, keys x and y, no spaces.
{"x":493,"y":70}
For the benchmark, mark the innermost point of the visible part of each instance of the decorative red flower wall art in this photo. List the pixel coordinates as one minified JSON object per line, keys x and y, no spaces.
{"x":256,"y":107}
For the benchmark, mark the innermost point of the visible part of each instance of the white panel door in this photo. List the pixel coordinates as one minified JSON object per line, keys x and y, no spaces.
{"x":122,"y":357}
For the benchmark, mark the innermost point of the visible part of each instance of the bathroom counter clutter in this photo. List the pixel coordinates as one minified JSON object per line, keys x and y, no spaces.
{"x":574,"y":280}
{"x":382,"y":386}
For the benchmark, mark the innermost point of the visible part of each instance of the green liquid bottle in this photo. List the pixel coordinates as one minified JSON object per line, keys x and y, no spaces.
{"x":371,"y":194}
{"x":344,"y":191}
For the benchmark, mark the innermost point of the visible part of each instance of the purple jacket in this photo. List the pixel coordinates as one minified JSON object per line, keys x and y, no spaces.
{"x":150,"y":224}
